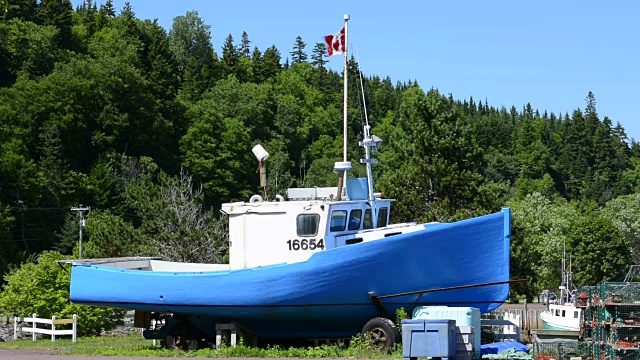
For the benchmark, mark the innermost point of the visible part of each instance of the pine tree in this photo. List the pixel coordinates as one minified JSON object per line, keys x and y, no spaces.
{"x":440,"y":162}
{"x":319,"y":52}
{"x":271,"y":61}
{"x":230,"y":56}
{"x":25,"y":10}
{"x":128,"y":17}
{"x":108,"y":9}
{"x":106,"y":12}
{"x":245,"y":45}
{"x":298,"y":55}
{"x":58,"y":13}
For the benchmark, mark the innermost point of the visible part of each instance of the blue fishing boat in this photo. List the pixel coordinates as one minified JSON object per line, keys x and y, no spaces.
{"x":320,"y":263}
{"x":315,"y":265}
{"x":327,"y":295}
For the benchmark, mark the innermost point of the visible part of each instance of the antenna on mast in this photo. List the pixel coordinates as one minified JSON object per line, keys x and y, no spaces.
{"x":370,"y":143}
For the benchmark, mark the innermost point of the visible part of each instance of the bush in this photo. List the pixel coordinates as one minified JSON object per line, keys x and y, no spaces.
{"x":42,"y":288}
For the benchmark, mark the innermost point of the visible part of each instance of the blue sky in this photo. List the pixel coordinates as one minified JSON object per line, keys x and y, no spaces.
{"x":547,"y":53}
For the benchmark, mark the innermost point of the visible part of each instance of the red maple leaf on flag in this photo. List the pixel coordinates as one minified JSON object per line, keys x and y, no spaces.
{"x":336,"y":43}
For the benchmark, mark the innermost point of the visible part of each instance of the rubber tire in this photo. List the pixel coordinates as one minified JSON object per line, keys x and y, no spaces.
{"x":193,"y":345}
{"x":171,"y":343}
{"x":385,"y":333}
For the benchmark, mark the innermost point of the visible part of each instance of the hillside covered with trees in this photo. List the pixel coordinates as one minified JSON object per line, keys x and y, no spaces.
{"x":153,"y":128}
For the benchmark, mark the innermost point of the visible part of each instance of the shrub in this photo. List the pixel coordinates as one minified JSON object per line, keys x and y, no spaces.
{"x":42,"y":288}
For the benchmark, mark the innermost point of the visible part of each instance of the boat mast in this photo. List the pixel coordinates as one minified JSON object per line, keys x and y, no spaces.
{"x":563,"y":284}
{"x":346,"y":165}
{"x":567,"y":277}
{"x":370,"y":144}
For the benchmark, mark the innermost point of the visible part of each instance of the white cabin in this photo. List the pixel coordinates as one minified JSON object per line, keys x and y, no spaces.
{"x":274,"y":232}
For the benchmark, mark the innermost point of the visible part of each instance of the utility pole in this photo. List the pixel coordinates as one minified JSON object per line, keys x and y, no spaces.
{"x":21,"y":203}
{"x":81,"y":211}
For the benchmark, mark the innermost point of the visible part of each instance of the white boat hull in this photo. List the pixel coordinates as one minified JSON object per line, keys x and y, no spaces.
{"x":562,"y":317}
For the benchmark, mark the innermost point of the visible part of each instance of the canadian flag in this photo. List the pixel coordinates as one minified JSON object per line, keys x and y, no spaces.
{"x":336,"y":43}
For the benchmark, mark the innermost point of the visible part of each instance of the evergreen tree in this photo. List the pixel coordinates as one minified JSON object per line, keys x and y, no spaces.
{"x":127,"y":20}
{"x":271,"y":62}
{"x":108,"y":9}
{"x":298,"y":55}
{"x":319,"y":52}
{"x":230,"y":56}
{"x":58,"y":13}
{"x":88,"y":17}
{"x":435,"y":159}
{"x":258,"y":67}
{"x":25,"y":10}
{"x":197,"y":63}
{"x":245,"y":45}
{"x":106,"y":12}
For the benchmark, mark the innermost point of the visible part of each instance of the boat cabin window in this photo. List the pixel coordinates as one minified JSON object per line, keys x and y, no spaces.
{"x":368,"y":222}
{"x":307,"y":224}
{"x":354,"y":219}
{"x":575,"y":314}
{"x":382,"y":217}
{"x":338,"y":220}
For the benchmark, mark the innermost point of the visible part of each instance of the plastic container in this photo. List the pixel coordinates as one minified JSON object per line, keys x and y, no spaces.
{"x":464,"y":343}
{"x":428,"y":338}
{"x":464,"y":316}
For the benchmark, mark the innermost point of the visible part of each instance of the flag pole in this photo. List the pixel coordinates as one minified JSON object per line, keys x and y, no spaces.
{"x":342,"y":180}
{"x":346,"y":98}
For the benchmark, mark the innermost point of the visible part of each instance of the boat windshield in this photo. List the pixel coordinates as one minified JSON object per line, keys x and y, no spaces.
{"x":368,"y":220}
{"x":382,"y":217}
{"x":354,"y":219}
{"x":338,"y":220}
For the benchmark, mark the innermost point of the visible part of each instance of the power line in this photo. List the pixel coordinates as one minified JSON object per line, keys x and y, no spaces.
{"x":36,"y":208}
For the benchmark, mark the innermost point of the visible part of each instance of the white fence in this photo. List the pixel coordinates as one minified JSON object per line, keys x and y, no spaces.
{"x":508,"y":326}
{"x":19,"y":327}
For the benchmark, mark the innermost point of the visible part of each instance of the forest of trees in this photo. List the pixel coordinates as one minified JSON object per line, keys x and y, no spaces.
{"x":147,"y":125}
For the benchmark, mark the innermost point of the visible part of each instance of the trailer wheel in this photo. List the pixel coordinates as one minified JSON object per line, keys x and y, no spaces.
{"x":178,"y":342}
{"x":170,"y":342}
{"x":383,"y":332}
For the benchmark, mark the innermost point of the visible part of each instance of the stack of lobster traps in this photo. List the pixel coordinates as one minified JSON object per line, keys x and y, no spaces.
{"x":611,"y":319}
{"x":562,"y":350}
{"x":610,"y":326}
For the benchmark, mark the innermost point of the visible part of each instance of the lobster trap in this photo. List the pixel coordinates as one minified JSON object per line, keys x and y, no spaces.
{"x":561,"y":350}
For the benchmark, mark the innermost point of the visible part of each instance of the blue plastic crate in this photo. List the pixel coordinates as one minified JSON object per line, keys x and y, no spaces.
{"x":428,"y":338}
{"x":464,"y":316}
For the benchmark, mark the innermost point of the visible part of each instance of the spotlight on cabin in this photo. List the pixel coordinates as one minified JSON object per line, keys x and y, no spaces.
{"x":260,"y":153}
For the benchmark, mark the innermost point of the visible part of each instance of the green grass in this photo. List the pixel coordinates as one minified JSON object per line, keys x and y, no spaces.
{"x":136,"y":345}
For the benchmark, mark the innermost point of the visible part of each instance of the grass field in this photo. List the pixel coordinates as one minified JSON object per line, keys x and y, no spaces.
{"x":136,"y":345}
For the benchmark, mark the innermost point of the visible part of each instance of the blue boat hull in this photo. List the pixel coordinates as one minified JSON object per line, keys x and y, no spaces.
{"x":327,"y":295}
